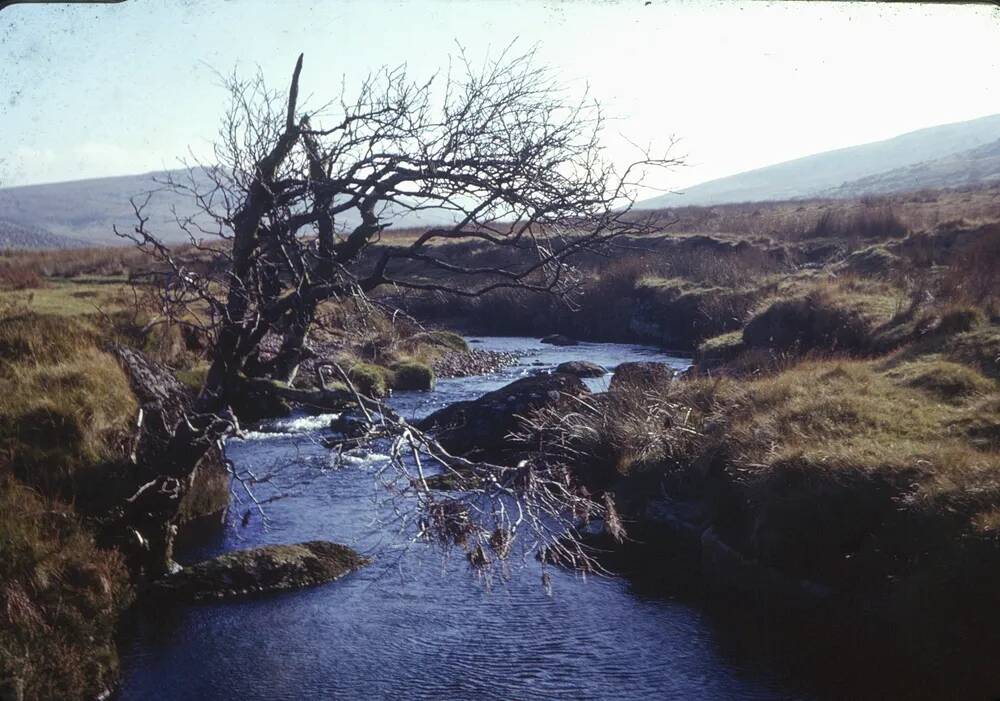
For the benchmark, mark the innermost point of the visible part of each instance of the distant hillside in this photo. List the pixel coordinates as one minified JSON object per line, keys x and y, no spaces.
{"x":824,"y":172}
{"x":978,"y":166}
{"x":13,"y":235}
{"x":89,"y":209}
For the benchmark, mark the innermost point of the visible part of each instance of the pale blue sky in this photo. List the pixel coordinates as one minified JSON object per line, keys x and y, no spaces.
{"x":114,"y":89}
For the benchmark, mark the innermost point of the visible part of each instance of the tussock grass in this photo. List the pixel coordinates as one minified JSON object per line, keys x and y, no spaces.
{"x":59,"y":599}
{"x":883,"y":441}
{"x":448,"y":340}
{"x":65,"y":405}
{"x":850,"y":471}
{"x":979,"y":348}
{"x":946,"y":380}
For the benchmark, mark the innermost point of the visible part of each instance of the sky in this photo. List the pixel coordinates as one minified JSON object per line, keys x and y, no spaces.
{"x":99,"y":90}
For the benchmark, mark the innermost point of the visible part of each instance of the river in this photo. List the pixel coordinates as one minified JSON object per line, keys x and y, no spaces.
{"x":416,"y":624}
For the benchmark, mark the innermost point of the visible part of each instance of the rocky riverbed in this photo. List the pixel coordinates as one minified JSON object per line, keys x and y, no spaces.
{"x":475,"y":361}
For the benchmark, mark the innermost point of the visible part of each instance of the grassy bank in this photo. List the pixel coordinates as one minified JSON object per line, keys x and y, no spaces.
{"x":844,"y":431}
{"x":65,"y":412}
{"x":715,"y":268}
{"x":67,"y":422}
{"x":876,"y":479}
{"x":842,"y":424}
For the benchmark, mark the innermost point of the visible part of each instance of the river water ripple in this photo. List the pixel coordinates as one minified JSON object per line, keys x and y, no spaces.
{"x":416,"y":624}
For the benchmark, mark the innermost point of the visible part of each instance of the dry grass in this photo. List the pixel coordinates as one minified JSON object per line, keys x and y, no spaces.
{"x":65,"y":405}
{"x":973,"y":274}
{"x":59,"y":599}
{"x":73,"y":298}
{"x":846,"y":471}
{"x":19,"y":279}
{"x":869,"y":219}
{"x":915,"y":211}
{"x":117,"y":261}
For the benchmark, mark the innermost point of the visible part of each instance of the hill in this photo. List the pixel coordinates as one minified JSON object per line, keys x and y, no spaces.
{"x":90,"y":209}
{"x":978,"y":166}
{"x":824,"y":173}
{"x":14,"y":235}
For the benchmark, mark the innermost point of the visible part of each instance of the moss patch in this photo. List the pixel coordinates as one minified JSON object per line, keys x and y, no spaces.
{"x":265,"y":569}
{"x":723,"y":346}
{"x":371,"y":380}
{"x":412,"y":375}
{"x":446,"y":339}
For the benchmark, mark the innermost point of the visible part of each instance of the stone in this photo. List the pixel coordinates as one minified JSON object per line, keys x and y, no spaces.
{"x":558,"y":339}
{"x":581,"y":368}
{"x":642,"y":374}
{"x":270,"y":568}
{"x":350,"y":425}
{"x":480,"y":428}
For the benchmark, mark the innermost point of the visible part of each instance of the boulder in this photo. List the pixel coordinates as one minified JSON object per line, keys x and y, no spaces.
{"x":581,"y":368}
{"x":261,"y":570}
{"x":642,"y":374}
{"x":350,"y":425}
{"x":558,"y":339}
{"x":480,"y":428}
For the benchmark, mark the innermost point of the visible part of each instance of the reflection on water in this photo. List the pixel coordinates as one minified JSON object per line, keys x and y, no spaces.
{"x":417,"y":625}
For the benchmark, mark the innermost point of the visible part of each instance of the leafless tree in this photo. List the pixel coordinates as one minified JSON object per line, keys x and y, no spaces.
{"x":293,"y":209}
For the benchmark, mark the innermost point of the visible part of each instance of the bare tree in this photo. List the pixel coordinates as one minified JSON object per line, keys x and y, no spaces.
{"x":293,"y":209}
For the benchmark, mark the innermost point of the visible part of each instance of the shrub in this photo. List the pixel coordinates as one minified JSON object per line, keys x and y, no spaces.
{"x":12,"y":278}
{"x":871,"y":219}
{"x":412,"y":375}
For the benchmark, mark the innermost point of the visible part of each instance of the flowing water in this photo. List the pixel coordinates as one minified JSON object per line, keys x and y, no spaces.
{"x":416,"y":624}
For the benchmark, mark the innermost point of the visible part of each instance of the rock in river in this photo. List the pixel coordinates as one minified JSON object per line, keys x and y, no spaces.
{"x":269,"y":568}
{"x":557,"y":339}
{"x":581,"y":368}
{"x":644,"y":375}
{"x":480,"y":428}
